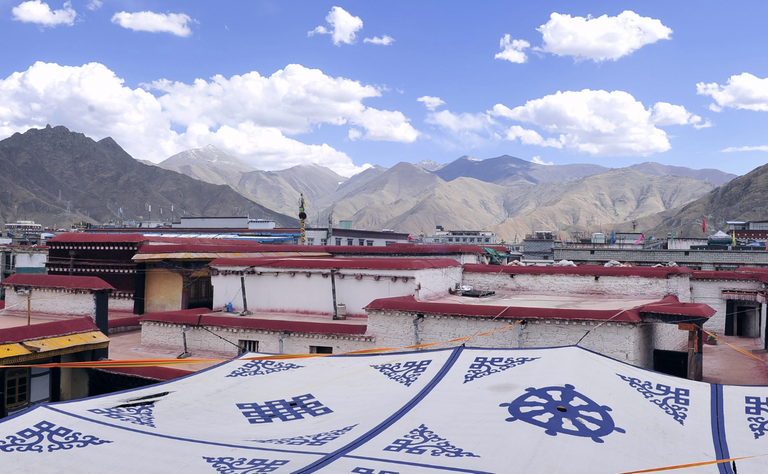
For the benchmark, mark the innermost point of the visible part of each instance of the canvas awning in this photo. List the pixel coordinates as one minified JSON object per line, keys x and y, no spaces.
{"x":462,"y":410}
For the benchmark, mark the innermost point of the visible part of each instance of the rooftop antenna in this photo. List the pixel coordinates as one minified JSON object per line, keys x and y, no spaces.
{"x":302,"y":217}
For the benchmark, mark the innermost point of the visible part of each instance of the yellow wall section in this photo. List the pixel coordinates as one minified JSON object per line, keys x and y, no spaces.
{"x":164,"y":289}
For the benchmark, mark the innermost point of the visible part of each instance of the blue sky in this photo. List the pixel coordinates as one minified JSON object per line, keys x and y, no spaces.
{"x":350,"y":84}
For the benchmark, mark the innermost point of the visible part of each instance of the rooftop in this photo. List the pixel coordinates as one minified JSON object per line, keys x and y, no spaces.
{"x":57,"y":281}
{"x":331,"y":263}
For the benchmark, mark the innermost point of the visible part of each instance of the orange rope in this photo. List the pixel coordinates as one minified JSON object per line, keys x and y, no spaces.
{"x":695,"y":464}
{"x":101,"y":364}
{"x":734,"y":347}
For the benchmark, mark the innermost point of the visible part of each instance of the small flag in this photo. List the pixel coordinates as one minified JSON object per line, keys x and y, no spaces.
{"x":612,"y":237}
{"x":734,"y":238}
{"x":704,"y":224}
{"x":639,"y":240}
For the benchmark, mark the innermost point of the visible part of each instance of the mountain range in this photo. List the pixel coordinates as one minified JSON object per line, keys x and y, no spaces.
{"x":57,"y":177}
{"x":49,"y":170}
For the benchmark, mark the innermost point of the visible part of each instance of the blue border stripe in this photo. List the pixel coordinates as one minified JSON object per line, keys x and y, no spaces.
{"x":178,"y":438}
{"x":428,"y":466}
{"x":386,"y":423}
{"x":718,"y":428}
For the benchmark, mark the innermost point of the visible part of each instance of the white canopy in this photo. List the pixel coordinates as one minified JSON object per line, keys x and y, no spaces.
{"x":462,"y":410}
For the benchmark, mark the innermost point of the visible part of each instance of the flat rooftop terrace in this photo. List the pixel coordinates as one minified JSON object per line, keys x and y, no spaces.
{"x":548,"y":301}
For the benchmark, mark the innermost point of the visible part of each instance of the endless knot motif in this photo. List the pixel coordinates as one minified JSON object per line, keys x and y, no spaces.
{"x":674,"y":402}
{"x":138,"y":415}
{"x":422,"y":439}
{"x":227,"y":465}
{"x":563,"y":410}
{"x":318,"y":439}
{"x":262,"y":367}
{"x":368,"y":470}
{"x":490,"y":365}
{"x":405,"y":373}
{"x":283,"y":410}
{"x":755,"y":406}
{"x":33,"y":439}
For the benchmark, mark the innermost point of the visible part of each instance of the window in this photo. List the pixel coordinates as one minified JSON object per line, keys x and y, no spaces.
{"x":338,"y":240}
{"x":247,"y":345}
{"x":350,"y":241}
{"x":323,"y":241}
{"x":362,"y":242}
{"x":310,"y":241}
{"x":320,"y":350}
{"x":369,"y":243}
{"x":16,"y":387}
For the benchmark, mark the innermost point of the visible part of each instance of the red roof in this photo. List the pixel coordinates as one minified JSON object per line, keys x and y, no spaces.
{"x":213,"y":246}
{"x":412,"y":249}
{"x":193,"y":317}
{"x":756,"y":274}
{"x":592,"y":270}
{"x":58,"y":281}
{"x":329,"y":263}
{"x":43,"y":330}
{"x":668,"y":305}
{"x":77,"y":237}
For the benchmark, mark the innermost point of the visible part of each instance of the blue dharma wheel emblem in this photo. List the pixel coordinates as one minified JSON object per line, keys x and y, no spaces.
{"x":563,"y":410}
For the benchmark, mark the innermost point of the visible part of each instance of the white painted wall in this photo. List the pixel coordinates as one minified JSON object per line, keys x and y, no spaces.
{"x":630,"y":286}
{"x":710,"y":292}
{"x":31,"y":260}
{"x":168,"y":335}
{"x":302,"y":294}
{"x":52,"y":301}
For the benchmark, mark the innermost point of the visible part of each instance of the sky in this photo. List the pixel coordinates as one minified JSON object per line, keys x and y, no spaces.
{"x":352,"y":84}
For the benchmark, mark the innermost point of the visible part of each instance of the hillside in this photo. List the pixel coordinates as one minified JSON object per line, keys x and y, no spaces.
{"x":102,"y":182}
{"x":743,"y":198}
{"x":707,"y":174}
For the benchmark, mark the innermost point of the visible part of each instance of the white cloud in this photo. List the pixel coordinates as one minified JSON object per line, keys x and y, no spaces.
{"x":512,"y":50}
{"x":38,"y":12}
{"x":743,"y":91}
{"x":746,"y":148}
{"x":385,"y":40}
{"x":600,"y":39}
{"x":459,"y":122}
{"x":598,"y":122}
{"x":174,"y":23}
{"x":94,"y":5}
{"x":531,"y":137}
{"x":668,"y":114}
{"x":539,"y":161}
{"x":430,"y":102}
{"x":249,"y":116}
{"x":343,"y":26}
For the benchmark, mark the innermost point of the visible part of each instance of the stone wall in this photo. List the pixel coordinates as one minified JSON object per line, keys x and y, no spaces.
{"x":630,"y":286}
{"x":706,"y":259}
{"x":53,"y":301}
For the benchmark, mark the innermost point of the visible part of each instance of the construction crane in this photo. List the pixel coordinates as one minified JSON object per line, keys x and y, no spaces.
{"x":302,"y":217}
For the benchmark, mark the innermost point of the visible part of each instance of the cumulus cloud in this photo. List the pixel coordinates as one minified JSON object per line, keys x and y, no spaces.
{"x":743,"y":91}
{"x":385,"y":40}
{"x":174,"y":23}
{"x":746,"y":148}
{"x":598,"y":122}
{"x":668,"y":114}
{"x":40,"y":13}
{"x":464,"y":122}
{"x":512,"y":50}
{"x":94,"y":5}
{"x":430,"y":102}
{"x":600,"y":39}
{"x":250,"y":116}
{"x":343,"y":26}
{"x":539,"y":161}
{"x":532,"y":137}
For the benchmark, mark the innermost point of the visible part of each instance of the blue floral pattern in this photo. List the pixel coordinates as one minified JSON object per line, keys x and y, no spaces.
{"x":491,"y":365}
{"x":138,"y":415}
{"x":674,"y":401}
{"x":405,"y":373}
{"x":283,"y":410}
{"x":228,"y":465}
{"x":318,"y":439}
{"x":756,"y":406}
{"x":422,"y":439}
{"x":46,"y":435}
{"x":262,"y":367}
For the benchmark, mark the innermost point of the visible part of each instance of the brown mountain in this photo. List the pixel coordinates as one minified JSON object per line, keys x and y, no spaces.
{"x":102,"y":182}
{"x":743,"y":198}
